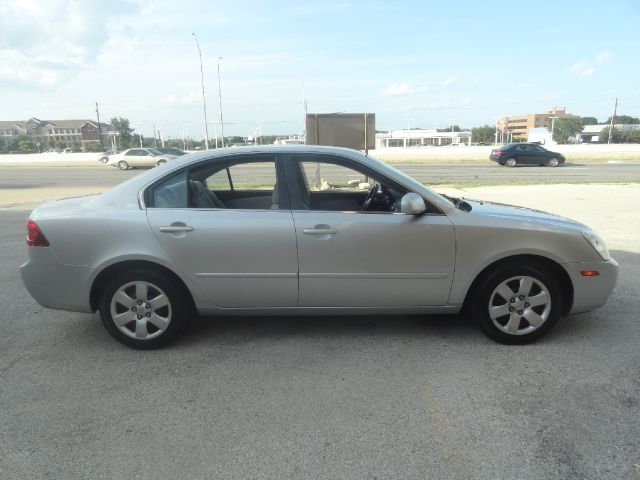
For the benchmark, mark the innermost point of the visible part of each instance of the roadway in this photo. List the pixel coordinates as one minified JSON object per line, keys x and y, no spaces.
{"x":428,"y":173}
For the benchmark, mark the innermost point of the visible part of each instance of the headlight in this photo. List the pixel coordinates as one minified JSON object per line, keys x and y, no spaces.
{"x":597,"y":242}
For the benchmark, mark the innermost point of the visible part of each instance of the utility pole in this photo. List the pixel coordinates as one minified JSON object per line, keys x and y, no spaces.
{"x":613,"y":118}
{"x":154,"y":136}
{"x":99,"y":129}
{"x":220,"y":101}
{"x":204,"y":102}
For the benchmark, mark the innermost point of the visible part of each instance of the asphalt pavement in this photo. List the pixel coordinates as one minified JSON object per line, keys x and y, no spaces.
{"x":391,"y":397}
{"x":429,"y":173}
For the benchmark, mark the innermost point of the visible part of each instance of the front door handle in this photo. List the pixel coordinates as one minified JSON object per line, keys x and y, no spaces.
{"x":320,"y":230}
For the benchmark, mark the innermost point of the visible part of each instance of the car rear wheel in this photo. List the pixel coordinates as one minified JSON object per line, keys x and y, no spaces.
{"x":510,"y":162}
{"x":517,"y":304}
{"x":553,"y":162}
{"x":160,"y":162}
{"x":143,"y":309}
{"x":122,"y":165}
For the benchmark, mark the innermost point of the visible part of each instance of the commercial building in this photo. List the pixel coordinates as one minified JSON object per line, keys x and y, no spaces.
{"x":516,"y":128}
{"x":46,"y":133}
{"x":421,"y":137}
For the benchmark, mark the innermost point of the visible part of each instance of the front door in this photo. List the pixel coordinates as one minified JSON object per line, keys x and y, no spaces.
{"x":374,"y":258}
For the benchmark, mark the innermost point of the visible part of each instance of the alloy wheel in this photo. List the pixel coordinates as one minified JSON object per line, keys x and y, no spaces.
{"x":519,"y":305}
{"x":141,"y":310}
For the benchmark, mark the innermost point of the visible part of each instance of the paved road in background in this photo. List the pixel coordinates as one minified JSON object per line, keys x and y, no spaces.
{"x":434,"y":173}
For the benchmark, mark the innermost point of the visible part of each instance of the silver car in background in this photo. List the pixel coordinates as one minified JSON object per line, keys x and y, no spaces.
{"x":139,"y":157}
{"x":305,"y":230}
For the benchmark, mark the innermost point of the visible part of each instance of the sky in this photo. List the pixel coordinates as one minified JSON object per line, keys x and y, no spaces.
{"x":412,"y":63}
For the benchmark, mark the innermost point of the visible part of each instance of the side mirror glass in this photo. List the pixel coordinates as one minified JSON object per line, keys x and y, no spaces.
{"x":412,"y":204}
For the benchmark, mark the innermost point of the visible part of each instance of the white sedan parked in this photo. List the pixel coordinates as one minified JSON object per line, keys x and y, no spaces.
{"x":305,"y":230}
{"x":139,"y":157}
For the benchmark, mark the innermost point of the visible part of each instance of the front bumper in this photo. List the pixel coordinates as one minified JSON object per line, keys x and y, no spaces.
{"x":590,"y":293}
{"x":55,"y":285}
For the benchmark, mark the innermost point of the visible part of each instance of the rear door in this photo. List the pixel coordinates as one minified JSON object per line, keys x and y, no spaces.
{"x":239,"y":255}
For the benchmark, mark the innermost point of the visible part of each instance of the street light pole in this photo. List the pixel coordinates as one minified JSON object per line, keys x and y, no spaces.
{"x":220,"y":101}
{"x":553,"y":122}
{"x":204,"y":103}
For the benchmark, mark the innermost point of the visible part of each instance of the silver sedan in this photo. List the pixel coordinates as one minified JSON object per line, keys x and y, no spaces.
{"x":305,"y":230}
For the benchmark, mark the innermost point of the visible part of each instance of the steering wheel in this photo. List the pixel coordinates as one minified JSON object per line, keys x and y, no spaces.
{"x":370,"y":197}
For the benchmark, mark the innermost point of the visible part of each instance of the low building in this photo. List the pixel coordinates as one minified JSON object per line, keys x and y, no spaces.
{"x":516,"y":128}
{"x":421,"y":137}
{"x":591,"y":133}
{"x":46,"y":133}
{"x":540,"y":135}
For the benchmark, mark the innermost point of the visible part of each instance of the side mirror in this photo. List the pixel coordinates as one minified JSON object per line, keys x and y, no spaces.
{"x":412,"y":204}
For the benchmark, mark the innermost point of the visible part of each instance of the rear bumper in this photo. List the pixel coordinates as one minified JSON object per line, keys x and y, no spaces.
{"x":590,"y":293}
{"x":55,"y":285}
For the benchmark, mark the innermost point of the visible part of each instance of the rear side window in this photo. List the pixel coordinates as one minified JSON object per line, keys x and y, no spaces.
{"x":171,"y":192}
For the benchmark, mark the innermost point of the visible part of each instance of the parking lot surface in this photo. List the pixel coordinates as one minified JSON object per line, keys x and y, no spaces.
{"x":341,"y":397}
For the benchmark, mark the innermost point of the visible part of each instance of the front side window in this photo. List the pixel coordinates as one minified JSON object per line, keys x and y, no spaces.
{"x":327,"y":186}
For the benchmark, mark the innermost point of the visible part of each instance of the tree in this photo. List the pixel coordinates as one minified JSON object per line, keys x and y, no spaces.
{"x":92,"y":147}
{"x":566,"y":127}
{"x":26,"y":146}
{"x":589,"y":120}
{"x":619,"y":136}
{"x":624,"y":120}
{"x":484,"y":134}
{"x":122,"y":126}
{"x":616,"y":137}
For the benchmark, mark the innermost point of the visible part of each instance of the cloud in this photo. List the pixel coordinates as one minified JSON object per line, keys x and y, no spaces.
{"x":452,"y":80}
{"x":44,"y":43}
{"x":189,"y":99}
{"x":583,"y":69}
{"x":397,"y":89}
{"x":587,"y":69}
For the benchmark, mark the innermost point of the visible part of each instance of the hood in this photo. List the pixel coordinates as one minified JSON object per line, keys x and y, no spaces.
{"x":522,"y":214}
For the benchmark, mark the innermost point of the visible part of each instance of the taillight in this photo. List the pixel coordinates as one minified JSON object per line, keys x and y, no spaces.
{"x":35,"y":237}
{"x":499,"y":152}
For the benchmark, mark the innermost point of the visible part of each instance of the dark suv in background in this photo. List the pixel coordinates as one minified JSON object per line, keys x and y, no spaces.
{"x":525,"y":154}
{"x":172,"y":151}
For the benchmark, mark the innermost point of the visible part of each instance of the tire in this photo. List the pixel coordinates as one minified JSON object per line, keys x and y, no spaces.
{"x":160,"y":162}
{"x":122,"y":165}
{"x":553,"y":162}
{"x":143,"y":309}
{"x":515,"y":320}
{"x":511,"y":162}
{"x":104,"y":159}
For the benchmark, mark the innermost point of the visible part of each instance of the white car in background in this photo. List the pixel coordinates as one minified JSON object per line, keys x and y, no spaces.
{"x":139,"y":157}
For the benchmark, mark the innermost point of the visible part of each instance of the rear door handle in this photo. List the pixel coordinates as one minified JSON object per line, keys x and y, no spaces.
{"x":176,"y":229}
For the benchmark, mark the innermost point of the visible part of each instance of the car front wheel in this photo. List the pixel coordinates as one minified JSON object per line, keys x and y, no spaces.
{"x":517,"y":304}
{"x":553,"y":162}
{"x":143,"y":309}
{"x":511,"y":162}
{"x":122,"y":165}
